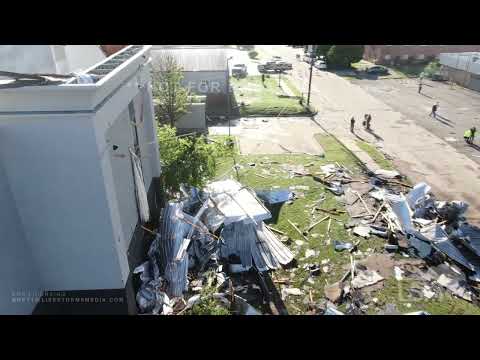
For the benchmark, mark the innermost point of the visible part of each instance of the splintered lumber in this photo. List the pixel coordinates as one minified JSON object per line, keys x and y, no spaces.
{"x":297,"y":229}
{"x":363,"y":202}
{"x":318,"y":222}
{"x":261,"y":176}
{"x":275,"y":230}
{"x":378,"y":212}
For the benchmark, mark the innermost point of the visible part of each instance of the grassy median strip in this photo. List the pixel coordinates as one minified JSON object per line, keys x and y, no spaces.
{"x":376,"y":155}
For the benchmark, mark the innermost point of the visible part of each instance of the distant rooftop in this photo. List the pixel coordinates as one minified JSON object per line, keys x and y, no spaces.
{"x":194,"y":58}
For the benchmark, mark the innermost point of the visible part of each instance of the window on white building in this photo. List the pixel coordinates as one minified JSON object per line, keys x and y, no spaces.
{"x":420,"y":56}
{"x":388,"y":57}
{"x":405,"y":57}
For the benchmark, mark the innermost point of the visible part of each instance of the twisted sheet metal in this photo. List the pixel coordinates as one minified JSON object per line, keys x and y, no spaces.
{"x":254,"y":245}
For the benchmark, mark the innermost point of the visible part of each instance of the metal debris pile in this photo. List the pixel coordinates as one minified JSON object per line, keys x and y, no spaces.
{"x":441,"y":249}
{"x":205,"y":238}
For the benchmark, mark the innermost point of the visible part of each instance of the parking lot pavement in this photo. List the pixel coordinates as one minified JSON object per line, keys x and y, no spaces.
{"x":459,"y":108}
{"x":273,"y":135}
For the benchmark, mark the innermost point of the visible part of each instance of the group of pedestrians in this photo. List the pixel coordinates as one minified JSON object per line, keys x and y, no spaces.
{"x":366,"y":122}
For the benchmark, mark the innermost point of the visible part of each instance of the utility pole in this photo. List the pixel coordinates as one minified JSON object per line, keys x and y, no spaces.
{"x":310,"y":80}
{"x":228,"y":94}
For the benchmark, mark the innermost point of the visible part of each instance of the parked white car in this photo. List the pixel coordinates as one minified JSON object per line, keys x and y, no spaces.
{"x":320,"y":65}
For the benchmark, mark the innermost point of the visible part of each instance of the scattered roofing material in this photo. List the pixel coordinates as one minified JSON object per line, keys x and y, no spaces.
{"x":291,"y":291}
{"x":399,"y":206}
{"x":340,"y":245}
{"x":387,"y":174}
{"x":398,"y":273}
{"x":236,"y":202}
{"x":421,"y":312}
{"x":470,"y":237}
{"x":274,"y":196}
{"x":418,"y":193}
{"x":254,"y":245}
{"x":365,"y":278}
{"x":332,"y":311}
{"x":361,"y":230}
{"x":440,"y":241}
{"x":455,"y":287}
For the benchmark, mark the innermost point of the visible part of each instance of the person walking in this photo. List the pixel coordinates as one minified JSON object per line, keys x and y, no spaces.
{"x":473,"y":130}
{"x":420,"y":88}
{"x":365,"y":118}
{"x":352,"y":124}
{"x":369,"y":119}
{"x":434,"y":110}
{"x":263,"y":79}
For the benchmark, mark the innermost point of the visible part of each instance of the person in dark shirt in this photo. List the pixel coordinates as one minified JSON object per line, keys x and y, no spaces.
{"x":473,"y":130}
{"x":352,"y":124}
{"x":434,"y":110}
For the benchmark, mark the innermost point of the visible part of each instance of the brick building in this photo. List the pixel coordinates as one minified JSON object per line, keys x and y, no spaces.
{"x":391,"y":54}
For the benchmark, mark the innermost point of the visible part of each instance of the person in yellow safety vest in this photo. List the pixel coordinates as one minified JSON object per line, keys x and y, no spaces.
{"x":469,"y":135}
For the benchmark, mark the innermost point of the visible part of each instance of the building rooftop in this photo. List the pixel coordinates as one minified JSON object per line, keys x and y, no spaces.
{"x":194,"y":58}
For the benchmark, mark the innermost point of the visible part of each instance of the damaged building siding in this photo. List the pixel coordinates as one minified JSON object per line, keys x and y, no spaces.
{"x":63,"y":159}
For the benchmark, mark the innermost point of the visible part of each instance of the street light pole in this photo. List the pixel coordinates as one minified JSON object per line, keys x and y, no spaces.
{"x":228,"y":95}
{"x":310,"y":80}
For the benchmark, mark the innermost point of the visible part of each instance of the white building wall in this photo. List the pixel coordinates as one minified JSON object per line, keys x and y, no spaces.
{"x":56,"y":182}
{"x":20,"y":279}
{"x":206,"y":82}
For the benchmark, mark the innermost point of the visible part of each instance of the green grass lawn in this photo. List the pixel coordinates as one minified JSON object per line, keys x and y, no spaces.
{"x":376,"y":155}
{"x":300,"y":214}
{"x":268,"y":100}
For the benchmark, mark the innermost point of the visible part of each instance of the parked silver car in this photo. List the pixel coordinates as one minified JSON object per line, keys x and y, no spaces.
{"x":320,"y":65}
{"x":239,"y":70}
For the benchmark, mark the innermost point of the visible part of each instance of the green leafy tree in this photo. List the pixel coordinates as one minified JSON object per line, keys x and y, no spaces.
{"x":189,"y":160}
{"x":431,"y":68}
{"x":341,"y":56}
{"x":171,"y":97}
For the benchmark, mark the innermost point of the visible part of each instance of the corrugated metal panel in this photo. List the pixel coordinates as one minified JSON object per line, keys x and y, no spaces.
{"x":236,"y":203}
{"x":470,"y":236}
{"x":195,"y":59}
{"x":248,"y":241}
